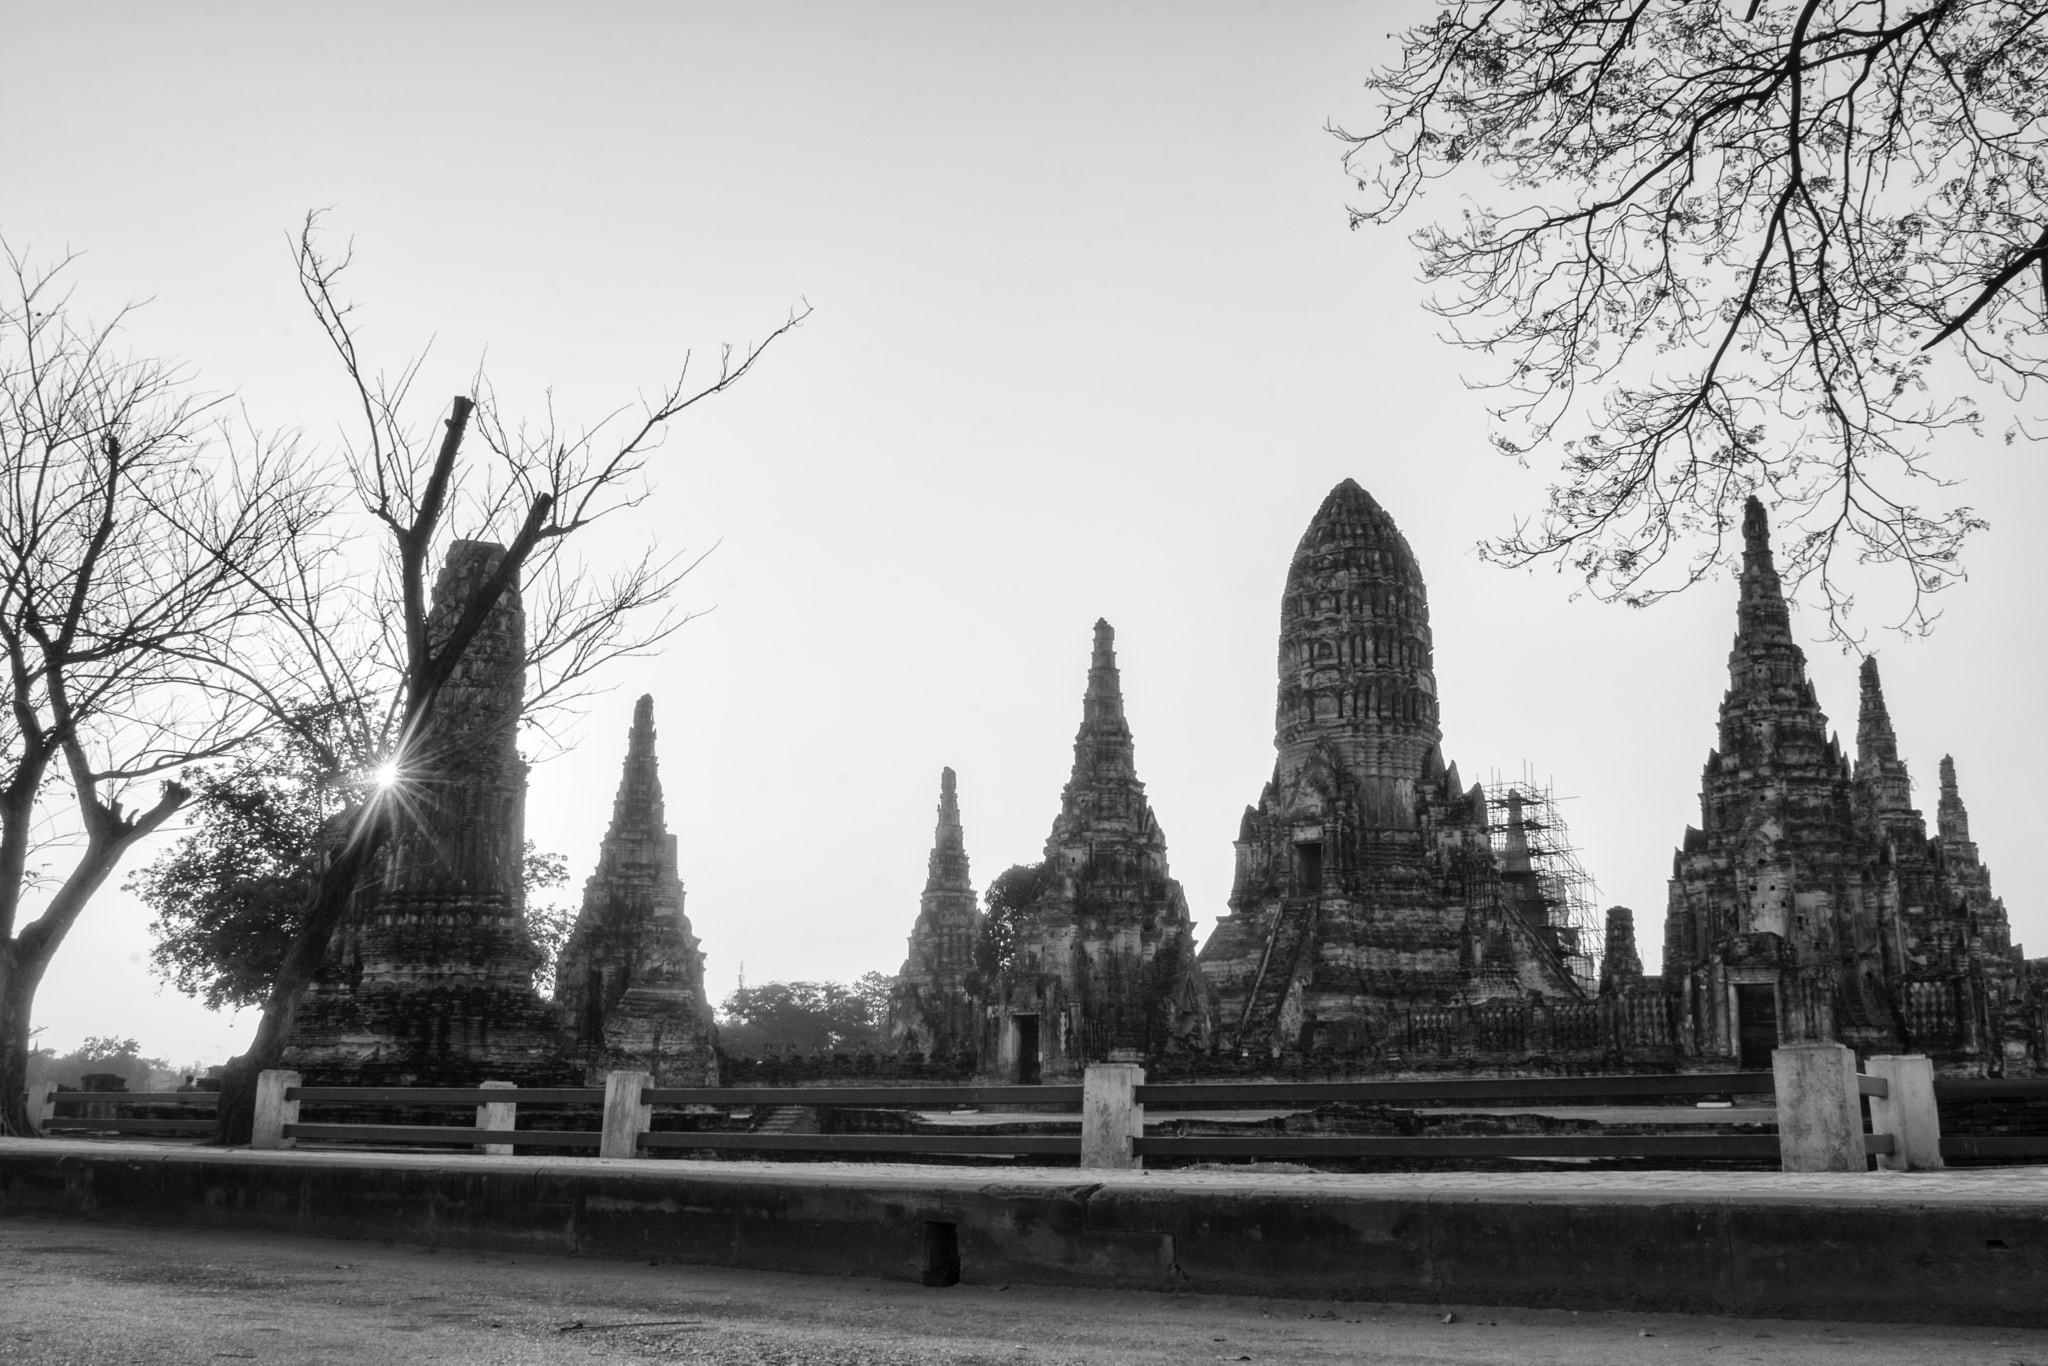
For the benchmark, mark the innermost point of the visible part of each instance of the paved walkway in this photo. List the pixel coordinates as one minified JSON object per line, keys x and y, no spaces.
{"x":96,"y":1294}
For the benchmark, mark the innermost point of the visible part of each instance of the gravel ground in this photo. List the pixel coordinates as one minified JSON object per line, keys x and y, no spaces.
{"x":102,"y":1293}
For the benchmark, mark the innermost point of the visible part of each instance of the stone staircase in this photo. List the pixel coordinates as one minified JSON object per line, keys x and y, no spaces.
{"x":787,"y":1119}
{"x":1293,"y":928}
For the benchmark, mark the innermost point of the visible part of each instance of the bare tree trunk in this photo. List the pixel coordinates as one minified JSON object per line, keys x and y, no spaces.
{"x":330,"y":902}
{"x":24,"y":958}
{"x":17,"y":994}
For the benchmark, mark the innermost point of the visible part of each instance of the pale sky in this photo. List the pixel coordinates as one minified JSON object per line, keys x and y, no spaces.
{"x":1091,"y":339}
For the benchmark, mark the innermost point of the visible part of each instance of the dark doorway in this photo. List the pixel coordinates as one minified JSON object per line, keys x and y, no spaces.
{"x":1308,"y":868}
{"x":941,"y":1254}
{"x":1756,"y":1025}
{"x":1027,"y":1050}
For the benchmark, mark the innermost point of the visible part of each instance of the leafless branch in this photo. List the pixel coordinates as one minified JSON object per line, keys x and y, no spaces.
{"x":1720,"y":244}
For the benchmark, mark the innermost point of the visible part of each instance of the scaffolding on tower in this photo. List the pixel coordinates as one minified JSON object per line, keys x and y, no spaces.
{"x":1541,"y":876}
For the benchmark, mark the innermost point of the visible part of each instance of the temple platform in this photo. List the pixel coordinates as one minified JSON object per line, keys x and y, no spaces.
{"x":1962,"y":1247}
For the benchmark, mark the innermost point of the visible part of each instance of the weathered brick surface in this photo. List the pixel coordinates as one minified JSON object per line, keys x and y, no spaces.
{"x":630,"y":983}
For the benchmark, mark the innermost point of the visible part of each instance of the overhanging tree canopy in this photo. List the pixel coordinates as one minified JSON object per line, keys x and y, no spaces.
{"x":1723,"y":248}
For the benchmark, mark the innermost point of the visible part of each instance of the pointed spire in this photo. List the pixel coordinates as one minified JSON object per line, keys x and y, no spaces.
{"x":640,"y":740}
{"x":637,"y":810}
{"x":1884,"y":789}
{"x":1621,"y":966}
{"x":948,"y":868}
{"x":1952,"y":820}
{"x":929,"y":1007}
{"x":1103,"y":799}
{"x":1756,"y":528}
{"x":631,"y":978}
{"x":1875,"y":739}
{"x":1102,"y":747}
{"x":1765,"y":654}
{"x":1104,"y":702}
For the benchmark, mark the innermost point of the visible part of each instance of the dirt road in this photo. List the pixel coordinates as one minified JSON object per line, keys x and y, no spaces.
{"x":102,"y":1293}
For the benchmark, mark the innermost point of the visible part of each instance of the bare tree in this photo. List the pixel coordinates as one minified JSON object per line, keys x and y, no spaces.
{"x":1720,"y":247}
{"x":133,"y":523}
{"x":371,"y":651}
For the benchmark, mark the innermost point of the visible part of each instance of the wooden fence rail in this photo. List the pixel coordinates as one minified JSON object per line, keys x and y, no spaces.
{"x":1820,"y":1093}
{"x":1580,"y":1090}
{"x":47,"y":1105}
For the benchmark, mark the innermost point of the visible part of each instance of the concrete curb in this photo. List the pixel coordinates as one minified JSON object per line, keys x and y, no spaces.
{"x":1942,"y":1248}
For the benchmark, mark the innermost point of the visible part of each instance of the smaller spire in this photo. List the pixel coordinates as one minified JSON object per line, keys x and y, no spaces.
{"x":640,"y":740}
{"x":1621,"y":965}
{"x":1765,"y":655}
{"x":637,"y":810}
{"x":948,"y":867}
{"x":1756,"y":527}
{"x":949,"y":807}
{"x":1884,"y":788}
{"x":1103,"y":792}
{"x":1952,"y":819}
{"x":1875,"y":738}
{"x":1104,"y":701}
{"x":1102,"y":746}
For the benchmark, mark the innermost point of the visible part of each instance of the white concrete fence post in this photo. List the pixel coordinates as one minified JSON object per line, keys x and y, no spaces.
{"x":42,"y":1105}
{"x":497,"y":1114}
{"x":626,"y":1116}
{"x":1820,"y":1115}
{"x":1111,"y":1116}
{"x":1907,"y":1114}
{"x":273,"y":1111}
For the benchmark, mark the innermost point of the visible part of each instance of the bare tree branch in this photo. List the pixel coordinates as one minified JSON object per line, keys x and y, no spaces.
{"x":1713,"y":249}
{"x":539,"y":488}
{"x":134,"y":529}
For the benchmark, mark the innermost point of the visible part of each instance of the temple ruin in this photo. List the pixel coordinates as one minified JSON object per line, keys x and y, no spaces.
{"x":931,"y":1009}
{"x":1384,"y":917}
{"x":1367,"y":896}
{"x":1103,"y":958}
{"x":630,"y":981}
{"x":430,"y":980}
{"x":1811,"y":903}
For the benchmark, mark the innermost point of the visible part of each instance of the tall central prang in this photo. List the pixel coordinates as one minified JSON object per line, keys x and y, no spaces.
{"x":1366,"y":886}
{"x":1357,"y":674}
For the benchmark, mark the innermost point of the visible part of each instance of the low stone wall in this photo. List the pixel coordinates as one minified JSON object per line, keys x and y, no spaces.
{"x":1907,"y":1248}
